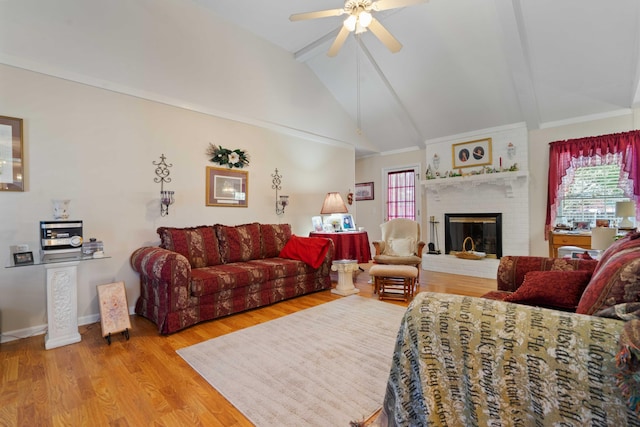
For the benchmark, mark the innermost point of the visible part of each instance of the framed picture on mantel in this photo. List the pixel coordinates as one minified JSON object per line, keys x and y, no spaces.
{"x":472,"y":153}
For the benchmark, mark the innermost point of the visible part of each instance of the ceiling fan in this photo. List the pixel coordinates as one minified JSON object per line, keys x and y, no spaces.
{"x":360,"y":19}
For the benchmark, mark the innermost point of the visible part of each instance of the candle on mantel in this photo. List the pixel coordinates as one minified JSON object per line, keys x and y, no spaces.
{"x":500,"y":162}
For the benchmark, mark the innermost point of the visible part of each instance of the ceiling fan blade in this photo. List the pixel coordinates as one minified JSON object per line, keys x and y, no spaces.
{"x":338,"y":42}
{"x":385,"y":36}
{"x":317,"y":14}
{"x":393,"y":4}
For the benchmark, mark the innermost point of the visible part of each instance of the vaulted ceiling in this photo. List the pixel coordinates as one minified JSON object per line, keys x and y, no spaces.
{"x":465,"y":64}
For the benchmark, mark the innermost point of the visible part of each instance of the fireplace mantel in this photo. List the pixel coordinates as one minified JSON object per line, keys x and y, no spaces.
{"x":468,"y":182}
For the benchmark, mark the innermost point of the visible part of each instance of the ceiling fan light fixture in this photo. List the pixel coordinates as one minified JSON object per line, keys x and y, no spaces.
{"x":364,"y":19}
{"x":350,"y":22}
{"x":360,"y":20}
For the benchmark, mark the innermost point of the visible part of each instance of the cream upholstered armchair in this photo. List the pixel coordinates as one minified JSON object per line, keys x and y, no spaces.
{"x":400,"y":244}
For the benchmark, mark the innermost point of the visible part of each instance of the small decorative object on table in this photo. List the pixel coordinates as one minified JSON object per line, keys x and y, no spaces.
{"x":232,"y":158}
{"x":469,"y":254}
{"x":23,"y":258}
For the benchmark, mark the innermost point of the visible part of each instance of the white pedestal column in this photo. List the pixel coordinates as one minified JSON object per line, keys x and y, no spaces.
{"x":345,"y":269}
{"x":62,"y":304}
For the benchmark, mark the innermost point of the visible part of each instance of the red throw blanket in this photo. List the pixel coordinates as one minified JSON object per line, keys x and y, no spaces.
{"x":310,"y":250}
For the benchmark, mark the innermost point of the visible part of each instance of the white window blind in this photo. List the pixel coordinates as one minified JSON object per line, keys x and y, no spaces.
{"x":591,"y":194}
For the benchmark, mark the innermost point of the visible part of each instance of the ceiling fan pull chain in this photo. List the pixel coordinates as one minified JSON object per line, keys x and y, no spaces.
{"x":358,"y":113}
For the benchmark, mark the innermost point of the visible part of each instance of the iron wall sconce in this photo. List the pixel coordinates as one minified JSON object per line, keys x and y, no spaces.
{"x":166,"y":197}
{"x":282,"y":201}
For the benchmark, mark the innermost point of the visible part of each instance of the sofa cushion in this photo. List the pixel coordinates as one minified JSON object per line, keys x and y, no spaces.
{"x":274,"y":237}
{"x":209,"y":280}
{"x":280,"y":268}
{"x":616,"y":279}
{"x":198,"y":244}
{"x":561,"y":289}
{"x":239,"y":243}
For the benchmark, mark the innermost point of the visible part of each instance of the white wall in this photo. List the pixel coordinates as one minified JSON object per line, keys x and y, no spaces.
{"x":94,"y":141}
{"x":371,"y":213}
{"x":177,"y":52}
{"x":96,"y":147}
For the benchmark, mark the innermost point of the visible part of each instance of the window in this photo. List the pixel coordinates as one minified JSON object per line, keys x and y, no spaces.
{"x":567,"y":158}
{"x":401,"y":194}
{"x":590,"y":193}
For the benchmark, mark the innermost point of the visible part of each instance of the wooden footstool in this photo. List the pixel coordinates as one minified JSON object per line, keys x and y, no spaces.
{"x":396,"y":282}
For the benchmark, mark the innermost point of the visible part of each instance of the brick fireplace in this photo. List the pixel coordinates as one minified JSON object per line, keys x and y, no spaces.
{"x":483,"y":189}
{"x":505,"y":193}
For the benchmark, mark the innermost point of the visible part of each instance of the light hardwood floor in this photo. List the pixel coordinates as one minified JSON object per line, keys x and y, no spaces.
{"x":143,"y":381}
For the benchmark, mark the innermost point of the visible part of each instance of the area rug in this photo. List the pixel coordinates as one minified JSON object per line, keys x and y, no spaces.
{"x":323,"y":366}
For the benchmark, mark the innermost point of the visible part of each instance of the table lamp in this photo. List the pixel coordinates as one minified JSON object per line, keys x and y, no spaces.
{"x":333,"y":203}
{"x":626,"y":210}
{"x":602,"y":237}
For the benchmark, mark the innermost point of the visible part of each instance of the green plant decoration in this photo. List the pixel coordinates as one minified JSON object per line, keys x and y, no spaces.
{"x":223,"y":156}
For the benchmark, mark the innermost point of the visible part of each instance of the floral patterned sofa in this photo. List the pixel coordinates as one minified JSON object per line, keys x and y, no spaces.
{"x":202,"y":273}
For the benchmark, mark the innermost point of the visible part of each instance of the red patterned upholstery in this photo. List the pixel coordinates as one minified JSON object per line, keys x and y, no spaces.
{"x":191,"y":277}
{"x":240,"y":242}
{"x":616,"y":279}
{"x":274,"y":237}
{"x":512,"y":269}
{"x":209,"y":280}
{"x":198,"y":244}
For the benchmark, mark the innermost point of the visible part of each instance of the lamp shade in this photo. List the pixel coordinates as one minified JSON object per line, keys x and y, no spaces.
{"x":602,"y":237}
{"x":333,"y":203}
{"x":626,"y":210}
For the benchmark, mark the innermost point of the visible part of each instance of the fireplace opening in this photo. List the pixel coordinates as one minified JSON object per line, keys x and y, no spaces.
{"x":485,"y":229}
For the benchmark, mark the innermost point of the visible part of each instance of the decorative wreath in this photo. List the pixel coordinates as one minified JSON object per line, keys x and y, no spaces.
{"x":223,"y":156}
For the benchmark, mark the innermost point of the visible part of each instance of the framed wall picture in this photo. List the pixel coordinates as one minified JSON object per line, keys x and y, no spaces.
{"x":22,"y":258}
{"x":364,"y":191}
{"x":472,"y":153}
{"x":227,"y":187}
{"x":11,"y":154}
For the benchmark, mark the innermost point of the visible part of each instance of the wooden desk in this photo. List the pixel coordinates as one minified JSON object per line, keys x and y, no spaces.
{"x":557,"y":240}
{"x":348,"y":245}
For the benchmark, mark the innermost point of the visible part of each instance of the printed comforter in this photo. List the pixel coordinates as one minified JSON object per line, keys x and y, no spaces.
{"x":462,"y":361}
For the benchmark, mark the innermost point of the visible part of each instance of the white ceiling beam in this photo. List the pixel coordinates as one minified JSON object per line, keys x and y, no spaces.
{"x":514,"y":42}
{"x":316,"y":47}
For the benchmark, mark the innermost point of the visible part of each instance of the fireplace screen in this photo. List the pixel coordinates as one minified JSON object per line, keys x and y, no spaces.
{"x":485,"y":230}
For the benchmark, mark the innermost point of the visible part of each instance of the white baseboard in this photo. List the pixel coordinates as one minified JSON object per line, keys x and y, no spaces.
{"x":32,"y":331}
